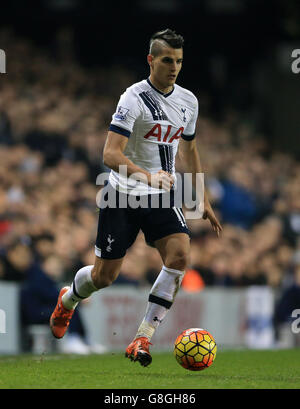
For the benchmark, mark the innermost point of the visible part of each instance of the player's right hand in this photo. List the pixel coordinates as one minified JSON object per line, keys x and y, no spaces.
{"x":161,"y":180}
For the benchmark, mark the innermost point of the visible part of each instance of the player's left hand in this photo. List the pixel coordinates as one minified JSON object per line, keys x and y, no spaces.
{"x":210,"y":215}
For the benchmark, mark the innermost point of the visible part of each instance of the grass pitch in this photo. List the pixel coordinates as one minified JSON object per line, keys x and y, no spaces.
{"x":231,"y":370}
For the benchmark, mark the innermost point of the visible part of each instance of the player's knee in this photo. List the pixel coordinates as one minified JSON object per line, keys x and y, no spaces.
{"x":178,"y":261}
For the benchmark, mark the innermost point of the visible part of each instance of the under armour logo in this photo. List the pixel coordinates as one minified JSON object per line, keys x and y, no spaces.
{"x":183,"y":111}
{"x":157,"y":319}
{"x":158,"y":112}
{"x":110,"y":240}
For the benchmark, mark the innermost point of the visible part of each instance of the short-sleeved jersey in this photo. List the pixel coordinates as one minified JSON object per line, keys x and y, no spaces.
{"x":154,"y":123}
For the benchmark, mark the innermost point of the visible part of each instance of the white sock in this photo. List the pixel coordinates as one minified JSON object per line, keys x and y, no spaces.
{"x":154,"y":315}
{"x":161,"y":298}
{"x":167,"y":284}
{"x":81,"y":288}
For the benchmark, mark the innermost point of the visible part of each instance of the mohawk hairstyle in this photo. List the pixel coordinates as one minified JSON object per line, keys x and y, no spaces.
{"x":165,"y":38}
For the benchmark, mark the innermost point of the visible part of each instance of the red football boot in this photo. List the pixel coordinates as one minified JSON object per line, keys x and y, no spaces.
{"x":138,"y":350}
{"x":61,"y":316}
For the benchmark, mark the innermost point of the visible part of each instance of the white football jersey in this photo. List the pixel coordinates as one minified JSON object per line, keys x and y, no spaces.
{"x":154,"y":123}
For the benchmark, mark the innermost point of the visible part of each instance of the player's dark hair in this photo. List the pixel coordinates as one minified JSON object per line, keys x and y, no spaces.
{"x":169,"y":37}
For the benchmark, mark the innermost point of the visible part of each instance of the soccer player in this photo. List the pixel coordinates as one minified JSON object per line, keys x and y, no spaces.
{"x":152,"y":119}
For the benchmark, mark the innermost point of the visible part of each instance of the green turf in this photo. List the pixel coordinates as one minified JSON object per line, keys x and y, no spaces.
{"x":231,"y":369}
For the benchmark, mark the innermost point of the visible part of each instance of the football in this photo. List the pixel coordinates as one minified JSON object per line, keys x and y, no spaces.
{"x":195,"y":349}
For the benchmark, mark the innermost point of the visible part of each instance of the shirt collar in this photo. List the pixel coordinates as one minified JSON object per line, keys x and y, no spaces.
{"x":157,"y":90}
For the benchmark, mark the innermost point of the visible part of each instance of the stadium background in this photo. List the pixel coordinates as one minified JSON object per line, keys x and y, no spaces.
{"x":68,"y":62}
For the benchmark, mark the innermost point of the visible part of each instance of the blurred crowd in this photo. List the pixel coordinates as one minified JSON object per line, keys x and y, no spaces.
{"x":54,"y":116}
